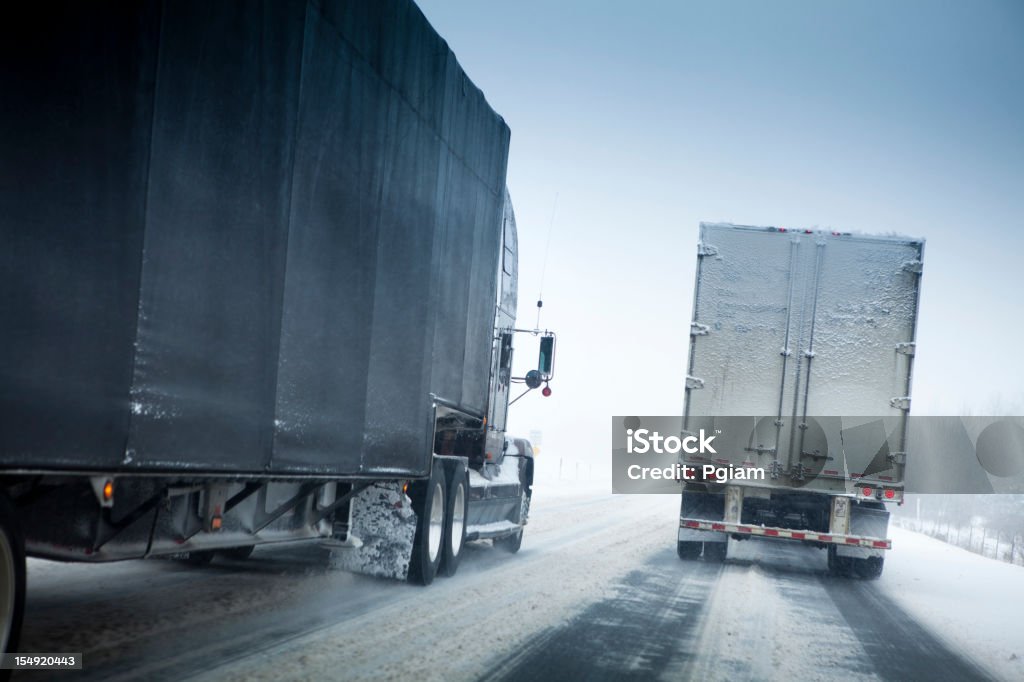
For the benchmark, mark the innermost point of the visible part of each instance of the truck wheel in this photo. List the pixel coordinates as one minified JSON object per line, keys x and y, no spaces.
{"x":688,"y":549}
{"x":510,"y":543}
{"x":455,"y":521}
{"x":239,"y":553}
{"x":715,"y":551}
{"x":428,"y":503}
{"x":870,"y":568}
{"x":12,"y":579}
{"x":839,"y":566}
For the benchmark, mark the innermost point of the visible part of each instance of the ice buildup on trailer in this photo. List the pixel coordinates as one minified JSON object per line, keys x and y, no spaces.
{"x":800,"y":357}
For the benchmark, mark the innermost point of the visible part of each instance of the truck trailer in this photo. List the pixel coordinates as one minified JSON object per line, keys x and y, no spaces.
{"x":259,"y":274}
{"x":800,"y":362}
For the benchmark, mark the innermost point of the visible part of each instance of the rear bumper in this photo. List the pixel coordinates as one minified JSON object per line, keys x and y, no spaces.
{"x":785,"y":533}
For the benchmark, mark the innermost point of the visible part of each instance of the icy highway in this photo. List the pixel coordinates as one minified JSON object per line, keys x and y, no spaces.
{"x":596,"y":592}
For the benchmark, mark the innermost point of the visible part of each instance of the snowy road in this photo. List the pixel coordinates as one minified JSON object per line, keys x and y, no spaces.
{"x":596,"y":592}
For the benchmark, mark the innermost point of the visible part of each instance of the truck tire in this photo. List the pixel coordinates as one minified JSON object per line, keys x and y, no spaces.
{"x":839,"y":566}
{"x":457,"y":509}
{"x":12,"y":579}
{"x":239,"y":553}
{"x":870,"y":568}
{"x":510,"y":543}
{"x":715,"y":551}
{"x":688,"y":549}
{"x":428,"y":502}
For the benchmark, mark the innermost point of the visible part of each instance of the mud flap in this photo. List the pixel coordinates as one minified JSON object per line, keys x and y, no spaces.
{"x":698,"y":504}
{"x":869,"y":519}
{"x":381,"y":531}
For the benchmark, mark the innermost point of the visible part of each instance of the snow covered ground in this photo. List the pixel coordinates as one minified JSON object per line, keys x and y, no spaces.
{"x":973,"y":602}
{"x":459,"y":627}
{"x":596,"y":592}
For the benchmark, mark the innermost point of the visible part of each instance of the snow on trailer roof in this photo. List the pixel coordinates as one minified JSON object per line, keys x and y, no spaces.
{"x":855,"y":234}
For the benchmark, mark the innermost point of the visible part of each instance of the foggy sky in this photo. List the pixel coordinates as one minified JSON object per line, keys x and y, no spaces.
{"x":646,"y":118}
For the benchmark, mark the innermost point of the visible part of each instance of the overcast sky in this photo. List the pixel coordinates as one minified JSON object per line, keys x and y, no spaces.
{"x":646,"y":118}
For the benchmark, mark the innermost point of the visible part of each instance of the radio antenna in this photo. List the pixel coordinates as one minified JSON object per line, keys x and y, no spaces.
{"x":544,"y":266}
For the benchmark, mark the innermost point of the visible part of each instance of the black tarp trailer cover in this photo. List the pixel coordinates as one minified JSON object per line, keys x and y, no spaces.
{"x":241,"y":238}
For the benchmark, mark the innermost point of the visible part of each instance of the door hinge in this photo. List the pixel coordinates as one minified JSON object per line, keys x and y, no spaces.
{"x":798,"y":472}
{"x":914,"y":266}
{"x":698,"y":329}
{"x":704,"y":249}
{"x":902,"y":403}
{"x":694,"y":382}
{"x":907,"y":348}
{"x":897,"y":457}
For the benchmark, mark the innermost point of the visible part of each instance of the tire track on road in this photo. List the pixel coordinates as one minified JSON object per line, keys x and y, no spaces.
{"x":632,"y":636}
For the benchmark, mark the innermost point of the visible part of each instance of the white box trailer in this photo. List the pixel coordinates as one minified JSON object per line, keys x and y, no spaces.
{"x":800,"y":362}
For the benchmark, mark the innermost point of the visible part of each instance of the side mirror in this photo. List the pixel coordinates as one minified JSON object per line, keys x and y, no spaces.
{"x":546,"y":357}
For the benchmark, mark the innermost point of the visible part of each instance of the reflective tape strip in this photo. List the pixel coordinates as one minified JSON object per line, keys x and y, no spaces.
{"x":806,"y":536}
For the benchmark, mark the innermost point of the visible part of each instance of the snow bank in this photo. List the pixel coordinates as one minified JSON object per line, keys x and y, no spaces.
{"x":974,"y":602}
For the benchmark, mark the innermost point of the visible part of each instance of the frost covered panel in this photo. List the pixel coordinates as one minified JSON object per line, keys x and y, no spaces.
{"x":216,"y":236}
{"x":246,"y":225}
{"x":795,"y":327}
{"x":740,"y":315}
{"x":864,"y":331}
{"x":72,"y":221}
{"x":864,"y":323}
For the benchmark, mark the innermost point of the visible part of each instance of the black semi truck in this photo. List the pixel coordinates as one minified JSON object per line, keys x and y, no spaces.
{"x":258,"y":274}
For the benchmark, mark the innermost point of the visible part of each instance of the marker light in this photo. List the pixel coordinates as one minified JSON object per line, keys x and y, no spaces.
{"x":108,"y":491}
{"x":546,"y":392}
